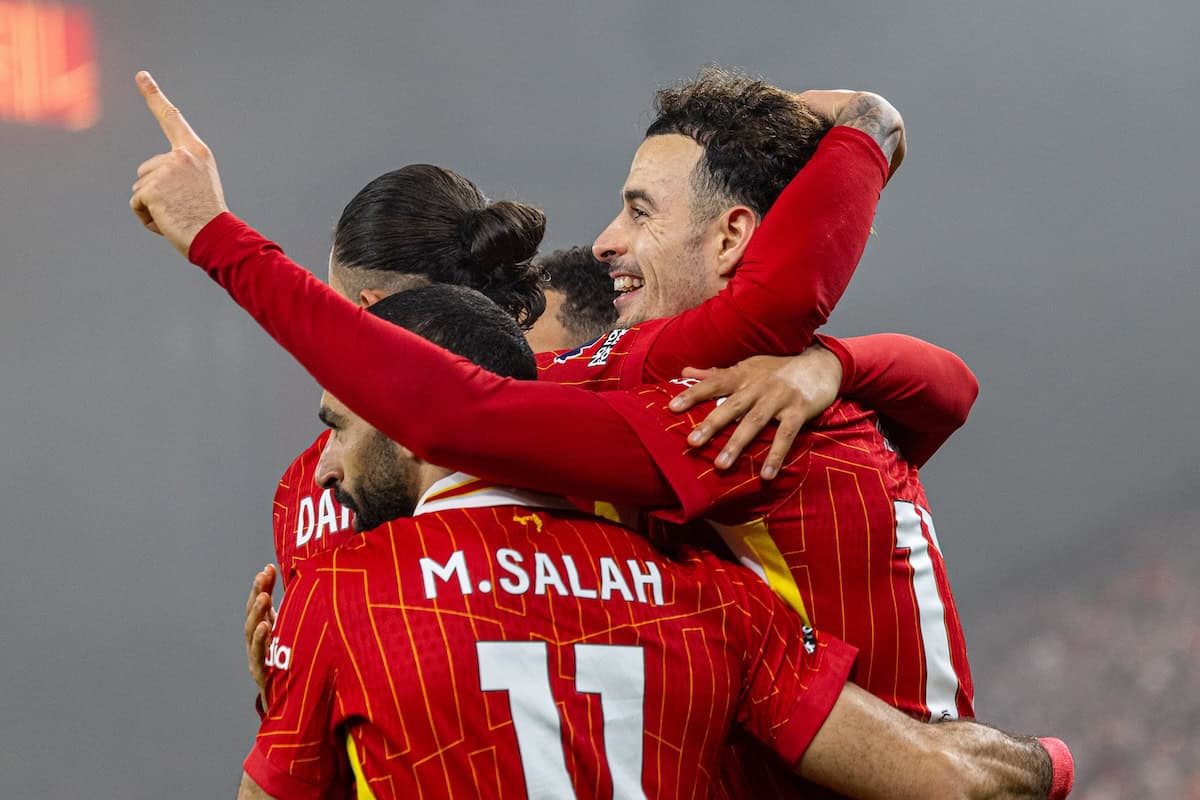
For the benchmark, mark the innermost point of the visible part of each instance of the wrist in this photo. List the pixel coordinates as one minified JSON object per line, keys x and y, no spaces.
{"x":1062,"y":767}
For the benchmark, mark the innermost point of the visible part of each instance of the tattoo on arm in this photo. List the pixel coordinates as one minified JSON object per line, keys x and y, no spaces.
{"x":875,"y":117}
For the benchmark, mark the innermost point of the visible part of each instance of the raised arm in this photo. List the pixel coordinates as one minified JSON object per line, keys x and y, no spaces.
{"x":534,"y":434}
{"x":496,"y":428}
{"x":802,"y":256}
{"x":864,"y":111}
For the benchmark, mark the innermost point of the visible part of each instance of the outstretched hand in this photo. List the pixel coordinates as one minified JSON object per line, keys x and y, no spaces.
{"x":789,"y":390}
{"x":179,"y":192}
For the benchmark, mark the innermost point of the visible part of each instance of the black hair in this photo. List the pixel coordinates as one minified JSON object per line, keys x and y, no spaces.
{"x":430,"y":221}
{"x":755,"y":136}
{"x":465,"y":322}
{"x":587,"y":310}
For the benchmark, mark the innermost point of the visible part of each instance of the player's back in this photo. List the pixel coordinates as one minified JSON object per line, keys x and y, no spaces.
{"x":305,"y":518}
{"x":509,"y":651}
{"x":843,"y":534}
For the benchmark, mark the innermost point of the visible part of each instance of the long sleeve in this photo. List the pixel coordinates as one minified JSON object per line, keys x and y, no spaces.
{"x":795,"y":268}
{"x":448,"y":411}
{"x":923,"y":391}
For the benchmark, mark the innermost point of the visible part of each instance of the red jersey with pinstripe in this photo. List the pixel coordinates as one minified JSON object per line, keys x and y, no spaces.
{"x":492,"y":646}
{"x":843,"y":534}
{"x":305,"y":518}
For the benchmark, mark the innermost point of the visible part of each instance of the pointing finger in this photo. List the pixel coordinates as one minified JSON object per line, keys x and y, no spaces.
{"x":170,"y":119}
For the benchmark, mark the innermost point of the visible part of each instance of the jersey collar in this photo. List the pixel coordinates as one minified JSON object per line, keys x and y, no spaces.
{"x":460,"y":490}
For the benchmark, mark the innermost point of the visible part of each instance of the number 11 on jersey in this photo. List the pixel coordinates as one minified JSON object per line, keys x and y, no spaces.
{"x":615,"y":672}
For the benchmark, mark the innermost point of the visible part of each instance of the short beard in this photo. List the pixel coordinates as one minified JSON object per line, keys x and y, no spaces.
{"x":385,"y":491}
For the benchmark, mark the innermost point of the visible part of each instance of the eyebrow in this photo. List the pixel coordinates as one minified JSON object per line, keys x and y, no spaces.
{"x":330,"y":417}
{"x":632,"y":195}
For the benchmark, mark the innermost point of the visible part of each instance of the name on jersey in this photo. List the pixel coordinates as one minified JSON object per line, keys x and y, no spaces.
{"x":320,"y":518}
{"x":542,"y":573}
{"x":603,"y":347}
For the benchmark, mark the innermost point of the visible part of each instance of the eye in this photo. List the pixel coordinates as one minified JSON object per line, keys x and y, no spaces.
{"x":637,"y":213}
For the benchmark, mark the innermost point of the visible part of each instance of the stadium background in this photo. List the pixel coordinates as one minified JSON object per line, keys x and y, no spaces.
{"x":1044,"y":227}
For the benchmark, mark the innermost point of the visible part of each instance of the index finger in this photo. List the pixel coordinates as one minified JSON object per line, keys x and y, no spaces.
{"x":170,"y":119}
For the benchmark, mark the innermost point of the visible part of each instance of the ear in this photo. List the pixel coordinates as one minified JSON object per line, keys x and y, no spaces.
{"x":737,"y":226}
{"x":369,"y":297}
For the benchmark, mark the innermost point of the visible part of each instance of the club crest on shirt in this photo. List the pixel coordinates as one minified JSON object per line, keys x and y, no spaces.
{"x":598,"y":350}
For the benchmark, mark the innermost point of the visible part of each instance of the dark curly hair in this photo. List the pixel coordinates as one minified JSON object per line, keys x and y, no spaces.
{"x":587,"y":310}
{"x":428,"y":221}
{"x":755,"y":136}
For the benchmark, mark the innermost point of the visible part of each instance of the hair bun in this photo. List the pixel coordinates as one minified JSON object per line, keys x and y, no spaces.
{"x":503,"y":234}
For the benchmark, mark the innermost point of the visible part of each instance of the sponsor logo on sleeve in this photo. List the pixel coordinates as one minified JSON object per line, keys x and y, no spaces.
{"x":598,"y":351}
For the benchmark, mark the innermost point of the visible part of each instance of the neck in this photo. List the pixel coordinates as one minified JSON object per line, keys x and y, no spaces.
{"x":427,"y":476}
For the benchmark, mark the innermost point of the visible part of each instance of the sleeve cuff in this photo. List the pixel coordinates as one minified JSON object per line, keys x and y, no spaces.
{"x":670,"y":454}
{"x":219,"y":230}
{"x":1063,"y":767}
{"x":853,"y":137}
{"x":275,"y":780}
{"x":825,"y":687}
{"x":839,"y":349}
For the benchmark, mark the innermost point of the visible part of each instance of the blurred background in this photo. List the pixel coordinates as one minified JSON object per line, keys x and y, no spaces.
{"x":1044,"y":226}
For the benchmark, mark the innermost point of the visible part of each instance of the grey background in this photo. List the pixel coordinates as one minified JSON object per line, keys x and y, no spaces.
{"x":1044,"y":227}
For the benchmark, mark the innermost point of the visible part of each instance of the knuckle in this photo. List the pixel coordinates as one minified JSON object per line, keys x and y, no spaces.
{"x":758,"y":416}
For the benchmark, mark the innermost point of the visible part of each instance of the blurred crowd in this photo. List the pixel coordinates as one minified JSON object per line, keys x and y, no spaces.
{"x":1111,"y":664}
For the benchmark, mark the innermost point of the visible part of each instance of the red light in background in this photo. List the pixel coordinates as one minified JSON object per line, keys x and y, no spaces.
{"x":47,"y":70}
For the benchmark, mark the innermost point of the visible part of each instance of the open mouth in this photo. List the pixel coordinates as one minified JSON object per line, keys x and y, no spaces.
{"x":627,"y":288}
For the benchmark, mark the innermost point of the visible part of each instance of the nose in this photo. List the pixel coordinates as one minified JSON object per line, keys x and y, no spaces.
{"x":610,"y":243}
{"x":329,"y":467}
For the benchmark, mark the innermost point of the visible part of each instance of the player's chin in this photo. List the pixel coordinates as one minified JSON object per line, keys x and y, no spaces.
{"x":629,"y":306}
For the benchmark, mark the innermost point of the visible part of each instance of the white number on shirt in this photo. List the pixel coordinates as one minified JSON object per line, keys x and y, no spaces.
{"x":614,"y":672}
{"x":941,"y":681}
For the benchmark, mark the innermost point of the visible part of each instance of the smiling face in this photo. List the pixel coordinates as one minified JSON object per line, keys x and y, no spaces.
{"x":661,"y":259}
{"x":370,"y":474}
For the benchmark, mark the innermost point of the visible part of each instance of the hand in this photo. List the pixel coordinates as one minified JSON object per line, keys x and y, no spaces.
{"x":792,"y":390}
{"x":826,"y":104}
{"x":866,"y":111}
{"x":176,"y":193}
{"x":260,"y":618}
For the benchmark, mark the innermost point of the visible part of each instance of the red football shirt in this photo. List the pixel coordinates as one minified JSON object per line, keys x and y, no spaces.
{"x":493,"y":646}
{"x":843,"y":534}
{"x":570,"y":442}
{"x":923,"y":391}
{"x":306,"y":519}
{"x":794,"y":270}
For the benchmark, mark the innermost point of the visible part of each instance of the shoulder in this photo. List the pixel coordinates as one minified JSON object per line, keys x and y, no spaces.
{"x":609,"y":361}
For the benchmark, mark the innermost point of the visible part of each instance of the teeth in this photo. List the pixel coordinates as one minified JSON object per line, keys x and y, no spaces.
{"x":627,"y":283}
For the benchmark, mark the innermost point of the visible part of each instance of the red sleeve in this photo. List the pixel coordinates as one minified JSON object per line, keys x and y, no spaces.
{"x":298,"y":752}
{"x":795,"y":268}
{"x":788,"y":692}
{"x":925,"y":392}
{"x":698,"y":485}
{"x":449,"y":412}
